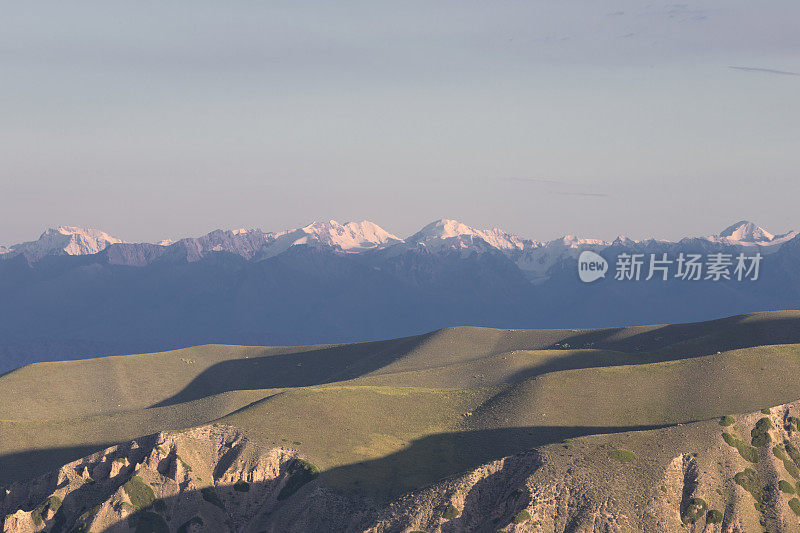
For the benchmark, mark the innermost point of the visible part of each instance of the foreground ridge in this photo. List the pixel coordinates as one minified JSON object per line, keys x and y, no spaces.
{"x":737,"y":473}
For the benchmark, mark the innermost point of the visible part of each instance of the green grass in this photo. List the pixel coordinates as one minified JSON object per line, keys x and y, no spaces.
{"x":367,"y":424}
{"x":747,"y":452}
{"x":139,"y":493}
{"x":385,"y":418}
{"x":522,"y":516}
{"x":750,"y":481}
{"x":82,"y":524}
{"x":450,"y":512}
{"x":786,"y":487}
{"x":788,"y":463}
{"x":793,"y":452}
{"x":794,"y":505}
{"x":52,"y":504}
{"x":185,"y":465}
{"x":623,"y":456}
{"x":396,"y":409}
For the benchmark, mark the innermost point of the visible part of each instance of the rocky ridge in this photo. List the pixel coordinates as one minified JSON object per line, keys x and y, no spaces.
{"x":736,"y":474}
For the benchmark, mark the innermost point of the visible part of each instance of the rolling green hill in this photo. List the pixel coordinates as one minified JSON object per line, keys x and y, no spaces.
{"x":395,"y":415}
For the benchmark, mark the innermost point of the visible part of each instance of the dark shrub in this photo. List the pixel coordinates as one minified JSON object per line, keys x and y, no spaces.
{"x":210,"y":495}
{"x":302,"y":472}
{"x":760,"y":433}
{"x":696,"y":508}
{"x":450,"y":512}
{"x":794,"y":505}
{"x":147,"y":522}
{"x":750,"y":481}
{"x":746,"y":451}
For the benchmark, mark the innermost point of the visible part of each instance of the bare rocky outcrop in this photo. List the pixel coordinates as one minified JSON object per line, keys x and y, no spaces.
{"x":209,"y":478}
{"x":738,"y":474}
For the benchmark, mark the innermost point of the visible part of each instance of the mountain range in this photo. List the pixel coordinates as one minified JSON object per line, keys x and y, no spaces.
{"x":531,"y":256}
{"x":77,"y":293}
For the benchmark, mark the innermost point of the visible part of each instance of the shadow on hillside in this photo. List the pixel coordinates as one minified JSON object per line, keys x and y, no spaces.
{"x":507,"y":488}
{"x":664,"y":343}
{"x":83,"y":498}
{"x":30,"y":464}
{"x":297,"y":369}
{"x":346,"y":362}
{"x":435,"y":457}
{"x":696,"y":339}
{"x":491,"y":503}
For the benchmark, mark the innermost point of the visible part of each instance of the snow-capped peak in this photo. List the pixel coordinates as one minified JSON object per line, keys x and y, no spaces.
{"x":623,"y":240}
{"x":745,"y":231}
{"x":573,"y":241}
{"x":443,"y":229}
{"x":66,"y":240}
{"x":352,"y":236}
{"x":85,"y":241}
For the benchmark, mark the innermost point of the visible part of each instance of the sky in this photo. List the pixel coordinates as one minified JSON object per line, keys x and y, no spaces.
{"x":154,"y":120}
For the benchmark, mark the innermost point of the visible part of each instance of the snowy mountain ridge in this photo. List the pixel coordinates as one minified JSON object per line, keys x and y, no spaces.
{"x":745,"y":233}
{"x":64,"y":240}
{"x":532,"y":256}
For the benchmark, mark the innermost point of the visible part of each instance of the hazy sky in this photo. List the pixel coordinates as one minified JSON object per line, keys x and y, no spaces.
{"x":166,"y":119}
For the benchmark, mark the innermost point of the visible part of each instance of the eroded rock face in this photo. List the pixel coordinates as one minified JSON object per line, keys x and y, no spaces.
{"x":738,"y":474}
{"x":206,"y":479}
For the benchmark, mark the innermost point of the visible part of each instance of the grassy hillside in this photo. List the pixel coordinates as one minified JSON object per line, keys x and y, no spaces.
{"x":395,"y":415}
{"x":699,"y":476}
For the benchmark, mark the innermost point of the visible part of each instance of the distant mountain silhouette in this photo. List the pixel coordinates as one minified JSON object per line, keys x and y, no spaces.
{"x":327,"y":283}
